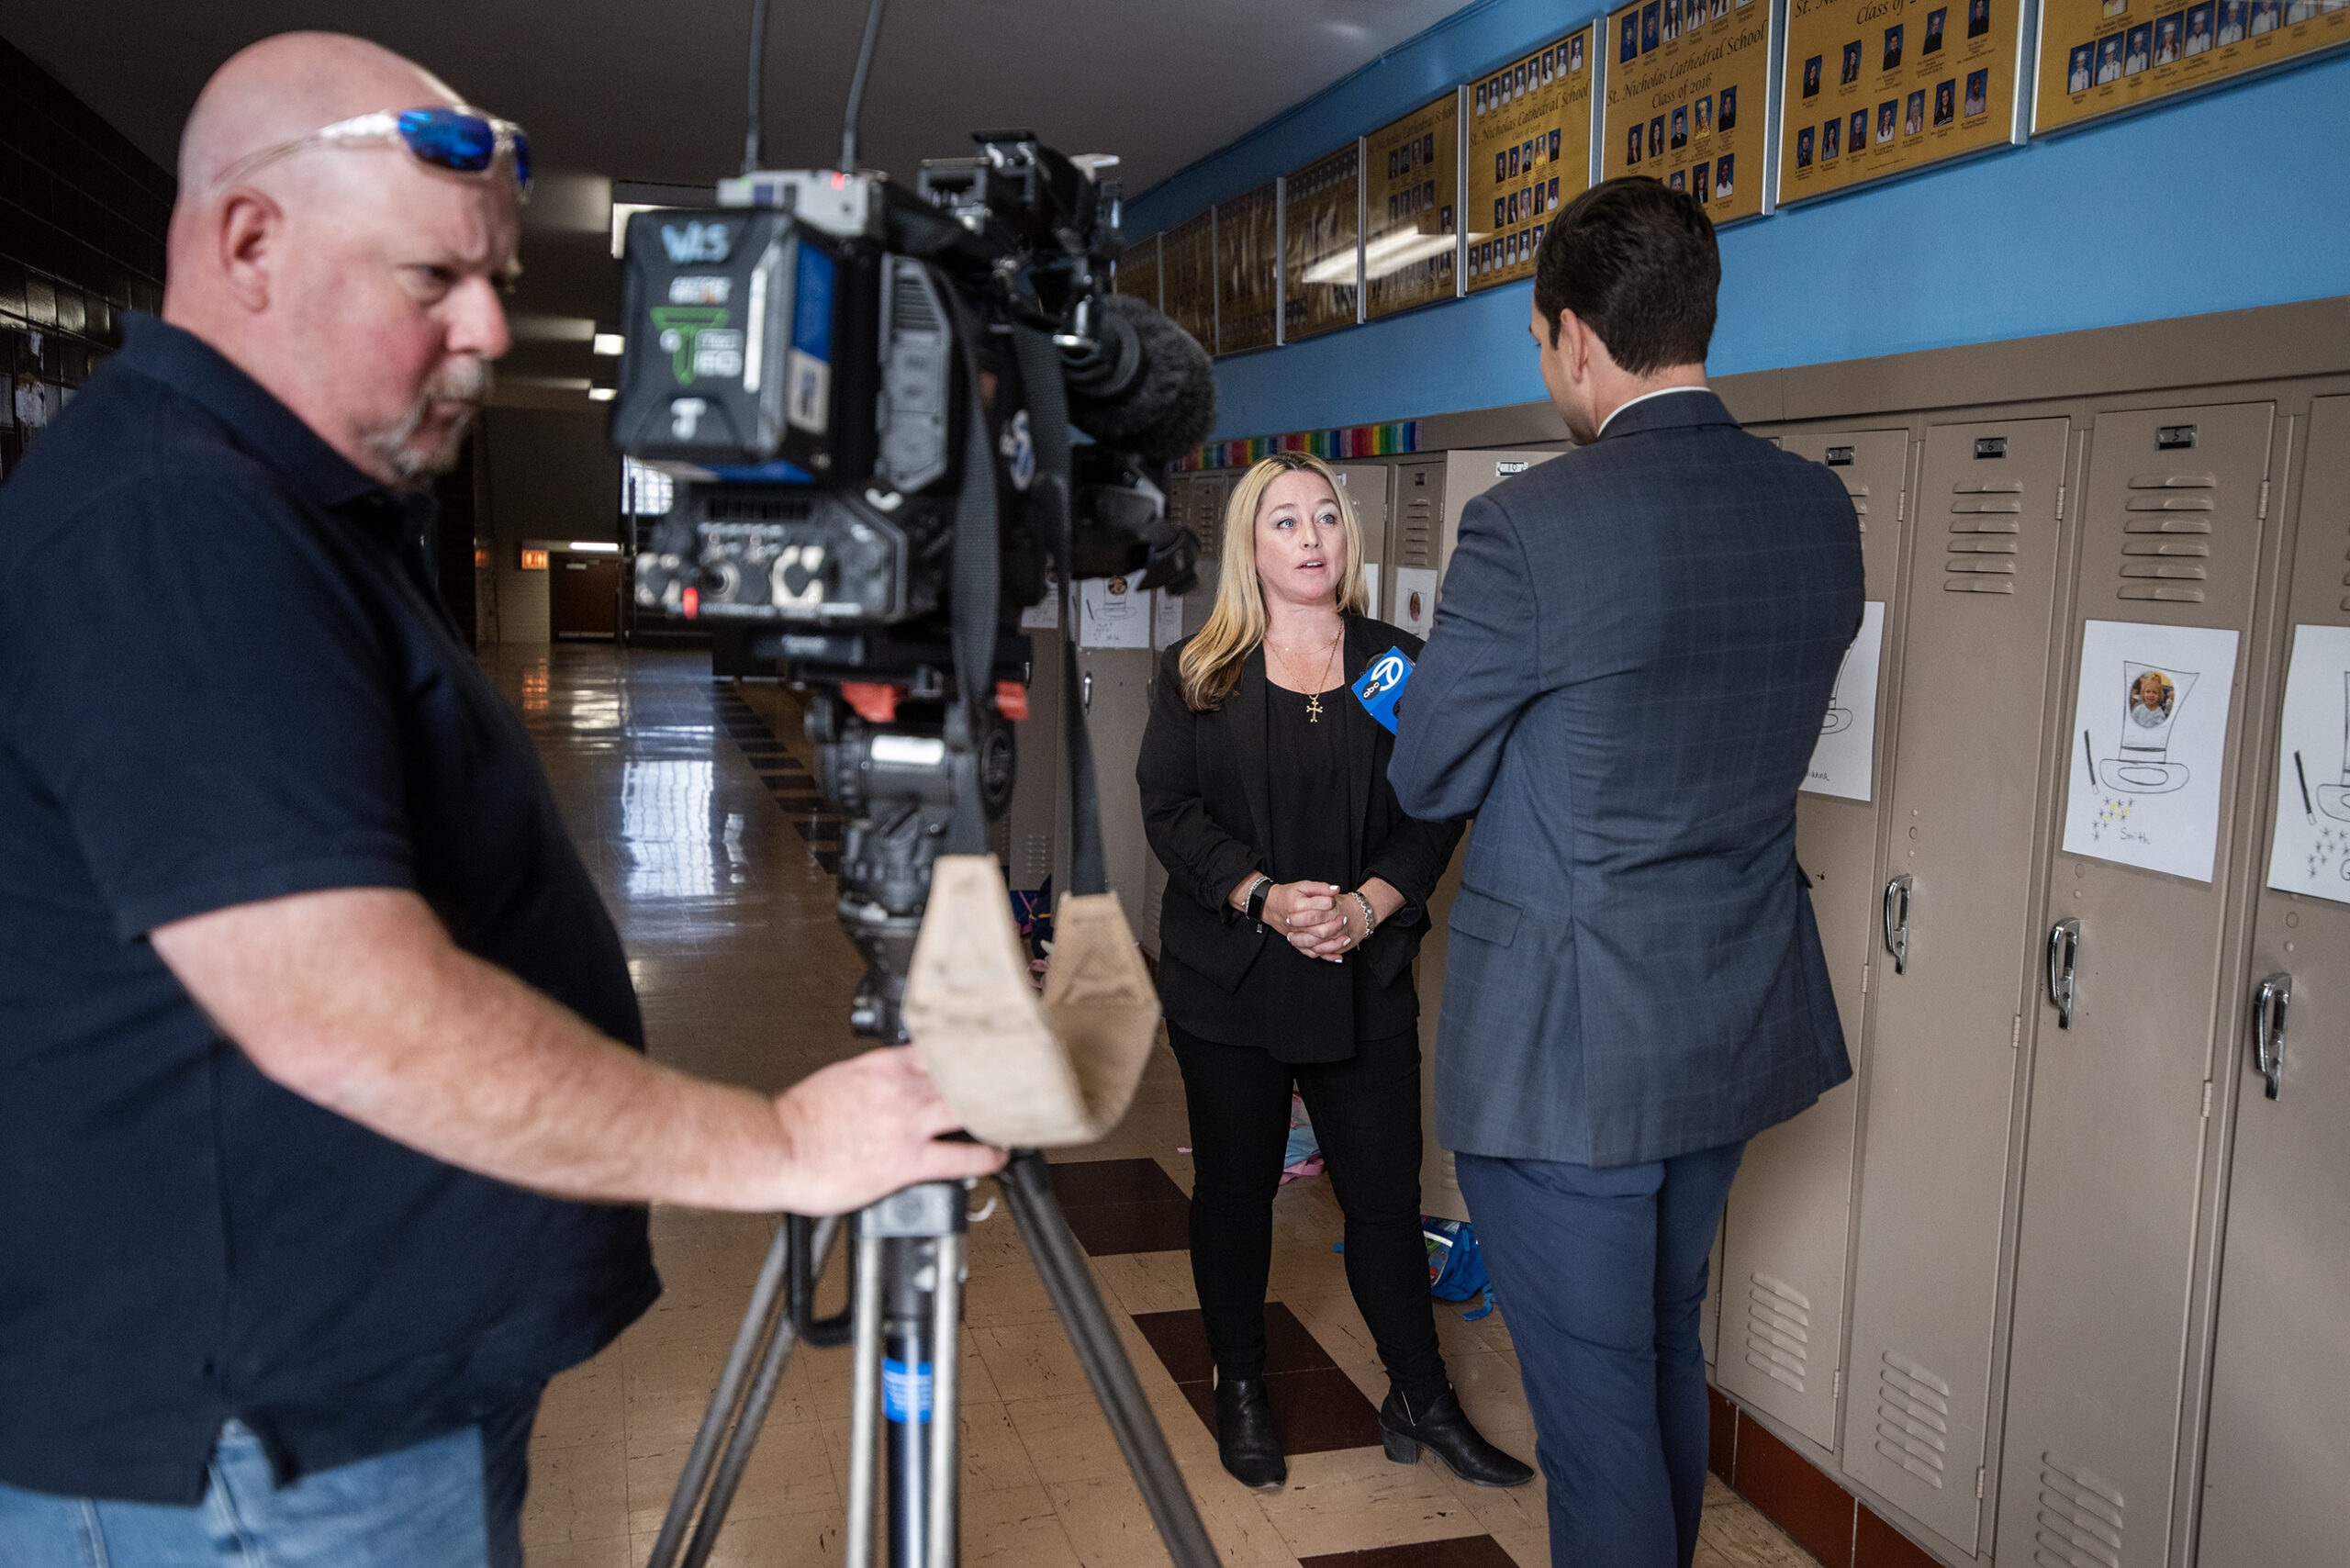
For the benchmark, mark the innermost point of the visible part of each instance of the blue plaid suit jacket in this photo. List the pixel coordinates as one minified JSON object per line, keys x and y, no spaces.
{"x":1628,"y":670}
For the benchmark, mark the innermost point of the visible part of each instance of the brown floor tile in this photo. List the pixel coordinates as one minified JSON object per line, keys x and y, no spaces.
{"x":1181,"y":1338}
{"x":1722,"y":1435}
{"x":1788,"y":1491}
{"x":1313,"y":1411}
{"x":1103,"y":1230}
{"x":1463,"y":1552}
{"x":1734,"y":1535}
{"x":1876,"y":1544}
{"x":1086,"y":1184}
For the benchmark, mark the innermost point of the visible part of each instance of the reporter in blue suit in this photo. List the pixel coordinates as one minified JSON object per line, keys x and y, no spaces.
{"x":1629,"y":667}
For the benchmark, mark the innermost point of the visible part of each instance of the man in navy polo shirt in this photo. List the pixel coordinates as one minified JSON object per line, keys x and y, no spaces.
{"x":323,"y":1093}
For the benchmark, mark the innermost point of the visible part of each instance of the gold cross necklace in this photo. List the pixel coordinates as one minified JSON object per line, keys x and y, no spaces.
{"x":1314,"y":699}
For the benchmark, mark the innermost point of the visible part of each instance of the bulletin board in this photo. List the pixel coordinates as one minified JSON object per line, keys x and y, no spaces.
{"x":1529,"y":154}
{"x":2100,"y":56}
{"x":1872,"y":90}
{"x":1248,"y":270}
{"x":1187,"y":277}
{"x":1138,"y":271}
{"x":1692,"y":80}
{"x":1411,"y":185}
{"x":1322,"y":244}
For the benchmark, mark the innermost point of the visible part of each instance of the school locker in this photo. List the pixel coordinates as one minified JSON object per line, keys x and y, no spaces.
{"x":1415,"y":531}
{"x":1031,"y":823}
{"x":2274,"y":1490}
{"x":1783,"y":1264}
{"x":1955,"y":943}
{"x":1366,"y":487}
{"x":2142,"y":978}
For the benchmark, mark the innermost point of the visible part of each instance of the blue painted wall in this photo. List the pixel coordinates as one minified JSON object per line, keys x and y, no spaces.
{"x":2233,"y":199}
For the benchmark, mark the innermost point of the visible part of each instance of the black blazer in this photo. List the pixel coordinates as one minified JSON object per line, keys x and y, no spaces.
{"x":1204,"y":809}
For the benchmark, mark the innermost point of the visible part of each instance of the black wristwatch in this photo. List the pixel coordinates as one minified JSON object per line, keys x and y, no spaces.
{"x":1257,"y":898}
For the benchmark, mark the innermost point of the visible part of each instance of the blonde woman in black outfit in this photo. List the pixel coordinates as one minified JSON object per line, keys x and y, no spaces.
{"x":1295,"y":899}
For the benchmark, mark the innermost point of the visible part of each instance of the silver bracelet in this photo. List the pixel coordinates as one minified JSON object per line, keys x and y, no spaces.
{"x":1369,"y":921}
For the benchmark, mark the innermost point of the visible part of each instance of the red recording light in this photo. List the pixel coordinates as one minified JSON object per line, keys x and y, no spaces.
{"x":693,"y":603}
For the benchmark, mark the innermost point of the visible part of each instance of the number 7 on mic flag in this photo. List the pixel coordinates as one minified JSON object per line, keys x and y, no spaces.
{"x":1382,"y":684}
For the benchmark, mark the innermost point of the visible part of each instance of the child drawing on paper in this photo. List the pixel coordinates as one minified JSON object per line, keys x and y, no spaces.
{"x":2150,"y":710}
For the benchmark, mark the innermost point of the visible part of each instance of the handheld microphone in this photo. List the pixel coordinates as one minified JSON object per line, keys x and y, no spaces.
{"x":1146,"y":386}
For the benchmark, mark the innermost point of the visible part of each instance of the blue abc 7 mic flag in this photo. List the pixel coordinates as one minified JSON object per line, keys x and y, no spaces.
{"x":1382,"y":684}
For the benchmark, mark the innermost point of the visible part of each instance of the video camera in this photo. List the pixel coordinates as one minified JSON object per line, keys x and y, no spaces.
{"x":865,"y":394}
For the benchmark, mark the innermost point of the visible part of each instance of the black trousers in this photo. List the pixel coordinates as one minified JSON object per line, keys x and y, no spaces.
{"x":1366,"y":1111}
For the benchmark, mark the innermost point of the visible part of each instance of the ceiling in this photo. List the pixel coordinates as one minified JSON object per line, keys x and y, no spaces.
{"x":633,"y":90}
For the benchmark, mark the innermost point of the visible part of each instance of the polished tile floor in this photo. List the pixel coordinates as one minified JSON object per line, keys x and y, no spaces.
{"x":692,"y":803}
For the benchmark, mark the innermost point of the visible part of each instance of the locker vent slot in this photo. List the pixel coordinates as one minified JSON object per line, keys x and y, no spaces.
{"x":2167,"y":592}
{"x":1990,"y":505}
{"x":1985,"y":525}
{"x":1987,"y":488}
{"x":2166,"y":524}
{"x":2169,"y":503}
{"x":1778,"y":1331}
{"x":1036,"y":859}
{"x":2187,"y":569}
{"x":2174,"y":481}
{"x":1913,"y":1418}
{"x":2080,"y":1519}
{"x":1419,"y":533}
{"x":2165,"y":547}
{"x":1978,"y":585}
{"x":1980,"y":563}
{"x":1984,"y":545}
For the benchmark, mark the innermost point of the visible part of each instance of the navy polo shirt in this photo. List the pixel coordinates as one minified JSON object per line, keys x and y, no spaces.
{"x":225,"y":675}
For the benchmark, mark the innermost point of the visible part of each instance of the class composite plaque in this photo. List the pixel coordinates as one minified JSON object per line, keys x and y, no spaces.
{"x":1529,"y":152}
{"x":1688,"y":90}
{"x":1876,"y":87}
{"x":1248,"y":261}
{"x":1321,"y":244}
{"x":1411,"y":181}
{"x":1138,"y":271}
{"x":1187,"y":277}
{"x":2097,"y":56}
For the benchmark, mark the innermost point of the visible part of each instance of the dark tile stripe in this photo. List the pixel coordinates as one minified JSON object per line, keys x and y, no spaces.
{"x":1316,"y":1406}
{"x":1466,"y":1552}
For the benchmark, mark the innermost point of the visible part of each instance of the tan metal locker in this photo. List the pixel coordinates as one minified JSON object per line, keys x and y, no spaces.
{"x":2274,"y":1489}
{"x":1113,"y":684}
{"x":1031,"y":823}
{"x":1941,"y":1059}
{"x":1197,"y":501}
{"x":1784,"y":1231}
{"x":1414,"y":533}
{"x":2114,"y":1156}
{"x":1366,"y":487}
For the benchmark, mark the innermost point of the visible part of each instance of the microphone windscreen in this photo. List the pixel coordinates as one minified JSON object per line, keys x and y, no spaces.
{"x":1155,"y":392}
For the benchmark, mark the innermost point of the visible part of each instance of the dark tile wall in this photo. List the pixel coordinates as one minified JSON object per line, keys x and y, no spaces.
{"x":83,"y":214}
{"x":1803,"y":1500}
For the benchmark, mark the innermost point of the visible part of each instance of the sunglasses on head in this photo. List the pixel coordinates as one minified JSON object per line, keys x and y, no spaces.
{"x":462,"y":141}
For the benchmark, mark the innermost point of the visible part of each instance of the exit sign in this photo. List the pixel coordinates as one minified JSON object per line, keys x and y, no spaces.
{"x":534,"y":560}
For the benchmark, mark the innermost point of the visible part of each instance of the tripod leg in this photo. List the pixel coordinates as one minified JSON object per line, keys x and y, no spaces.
{"x":946,"y":1402}
{"x":754,"y":1328}
{"x":865,"y":1403}
{"x":737,"y":1457}
{"x":1027,"y":1186}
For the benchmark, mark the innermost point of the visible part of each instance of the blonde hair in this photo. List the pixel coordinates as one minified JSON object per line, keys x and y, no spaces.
{"x":1212,"y":660}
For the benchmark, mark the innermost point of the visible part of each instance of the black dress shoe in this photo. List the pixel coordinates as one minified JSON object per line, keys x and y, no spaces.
{"x":1244,"y":1435}
{"x":1444,"y":1431}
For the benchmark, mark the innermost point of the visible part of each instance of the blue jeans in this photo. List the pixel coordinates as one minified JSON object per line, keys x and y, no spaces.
{"x":453,"y":1501}
{"x":1602,"y":1273}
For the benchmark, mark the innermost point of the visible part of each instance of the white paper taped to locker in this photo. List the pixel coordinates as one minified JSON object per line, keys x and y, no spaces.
{"x":2148,"y":739}
{"x":2309,"y":851}
{"x":1844,"y":763}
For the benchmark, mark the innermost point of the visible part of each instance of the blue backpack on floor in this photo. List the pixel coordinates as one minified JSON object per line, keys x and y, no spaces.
{"x":1456,"y":1268}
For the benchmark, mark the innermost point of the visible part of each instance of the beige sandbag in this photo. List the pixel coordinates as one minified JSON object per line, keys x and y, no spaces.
{"x":1022,"y":1075}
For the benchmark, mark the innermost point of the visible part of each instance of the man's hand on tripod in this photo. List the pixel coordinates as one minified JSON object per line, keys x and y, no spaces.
{"x":860,"y":1130}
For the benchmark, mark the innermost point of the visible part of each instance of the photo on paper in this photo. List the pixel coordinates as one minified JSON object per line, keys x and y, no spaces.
{"x":1651,"y":28}
{"x":1843,"y":762}
{"x":1803,"y":147}
{"x":2309,"y":851}
{"x":1680,"y":128}
{"x":1676,"y":181}
{"x":1729,"y":108}
{"x":1111,"y":615}
{"x":1656,"y":137}
{"x":1831,"y":140}
{"x":1724,"y":184}
{"x":1574,"y":54}
{"x":1811,"y":76}
{"x":2231,"y":19}
{"x":1860,"y":132}
{"x":2166,"y":39}
{"x":1852,"y":64}
{"x":2076,"y":69}
{"x":2265,"y":16}
{"x":1978,"y":91}
{"x":1945,"y":102}
{"x":1629,"y":49}
{"x":1632,"y":140}
{"x":1700,"y":185}
{"x":1887,"y":114}
{"x":2198,"y":27}
{"x":1978,"y":18}
{"x":1892,"y":49}
{"x":1915,"y":121}
{"x":1414,"y":600}
{"x":2148,"y":742}
{"x":1704,"y":114}
{"x":2108,"y":58}
{"x":2137,"y":53}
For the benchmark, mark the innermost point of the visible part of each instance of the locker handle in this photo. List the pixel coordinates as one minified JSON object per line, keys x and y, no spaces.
{"x":1896,"y":926}
{"x":1085,"y":692}
{"x":2269,"y":1005}
{"x":2064,"y":949}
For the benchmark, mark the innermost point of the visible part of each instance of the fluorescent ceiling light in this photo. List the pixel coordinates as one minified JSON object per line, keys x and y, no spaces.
{"x":609,"y":343}
{"x":1395,"y":252}
{"x":593,"y":547}
{"x":602,"y":394}
{"x":531,"y":329}
{"x":621,"y":212}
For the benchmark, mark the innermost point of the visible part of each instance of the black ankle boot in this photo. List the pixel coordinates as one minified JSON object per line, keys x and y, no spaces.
{"x":1443,"y":1429}
{"x":1244,"y":1433}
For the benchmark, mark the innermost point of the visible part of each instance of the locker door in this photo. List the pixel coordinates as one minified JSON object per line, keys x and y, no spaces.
{"x":2274,"y":1491}
{"x":1031,"y":822}
{"x":1468,"y":474}
{"x":1198,"y":502}
{"x":1966,"y":769}
{"x":2114,"y":1154}
{"x":1415,"y":532}
{"x":1113,"y":684}
{"x":1366,"y":487}
{"x":1785,"y":1228}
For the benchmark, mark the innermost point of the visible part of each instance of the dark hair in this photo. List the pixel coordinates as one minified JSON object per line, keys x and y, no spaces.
{"x":1637,"y":262}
